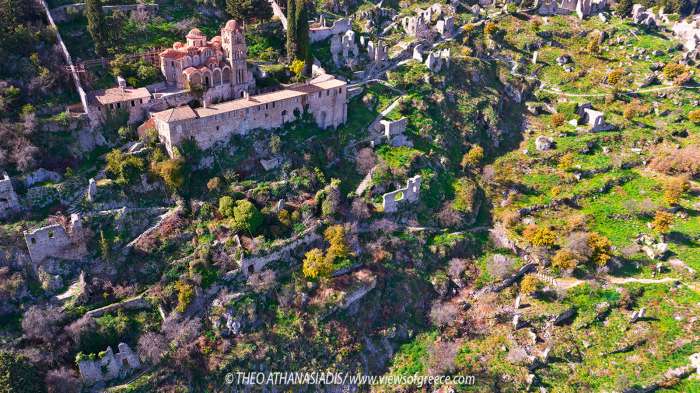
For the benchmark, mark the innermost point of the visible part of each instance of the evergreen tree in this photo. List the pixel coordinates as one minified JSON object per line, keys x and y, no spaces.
{"x":249,"y":10}
{"x":291,"y":30}
{"x":96,"y":25}
{"x":302,"y":33}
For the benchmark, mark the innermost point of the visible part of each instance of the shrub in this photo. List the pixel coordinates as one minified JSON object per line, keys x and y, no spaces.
{"x":17,"y":375}
{"x":338,"y":247}
{"x":173,"y":173}
{"x":315,"y":265}
{"x":674,"y":190}
{"x":500,"y":266}
{"x":601,"y":248}
{"x":558,"y":119}
{"x":694,"y":116}
{"x":473,"y":157}
{"x":214,"y":184}
{"x":443,"y":314}
{"x":124,"y":168}
{"x":615,"y":76}
{"x":673,"y":70}
{"x":185,"y":293}
{"x":540,"y":236}
{"x":684,"y":161}
{"x":226,"y":206}
{"x":565,"y":260}
{"x":491,"y":29}
{"x":566,"y":162}
{"x":247,"y":216}
{"x":530,"y":284}
{"x":62,"y":380}
{"x":465,"y":195}
{"x":662,"y":222}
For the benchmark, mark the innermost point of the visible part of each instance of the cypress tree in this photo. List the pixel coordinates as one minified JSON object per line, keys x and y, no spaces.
{"x":96,"y":25}
{"x":302,"y":33}
{"x":291,"y":30}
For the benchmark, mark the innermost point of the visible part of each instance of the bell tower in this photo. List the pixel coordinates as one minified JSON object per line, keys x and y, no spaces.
{"x":233,"y":43}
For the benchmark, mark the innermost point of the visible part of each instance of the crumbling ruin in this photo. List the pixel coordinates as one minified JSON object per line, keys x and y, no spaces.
{"x":109,"y":366}
{"x":411,"y":193}
{"x":58,"y":240}
{"x":9,"y":204}
{"x":394,"y":132}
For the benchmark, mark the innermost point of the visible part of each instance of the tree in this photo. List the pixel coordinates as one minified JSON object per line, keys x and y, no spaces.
{"x":672,"y":71}
{"x":173,"y":173}
{"x":315,"y":265}
{"x":565,"y":260}
{"x":247,"y":216}
{"x":40,"y":323}
{"x":303,"y":46}
{"x":124,"y":168}
{"x":473,"y":157}
{"x":17,"y":375}
{"x":338,"y":247}
{"x":530,"y":284}
{"x":96,"y":25}
{"x":540,"y":236}
{"x":185,"y":293}
{"x":151,"y":347}
{"x":491,"y":29}
{"x":249,"y":10}
{"x":674,"y":189}
{"x":62,"y":380}
{"x":214,"y":184}
{"x":662,"y":222}
{"x":291,"y":30}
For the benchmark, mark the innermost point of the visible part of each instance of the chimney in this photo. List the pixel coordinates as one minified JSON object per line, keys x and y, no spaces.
{"x":204,"y":102}
{"x":246,"y":96}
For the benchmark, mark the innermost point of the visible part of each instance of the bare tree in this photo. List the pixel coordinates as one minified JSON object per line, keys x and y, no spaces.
{"x":151,"y":347}
{"x":76,"y":329}
{"x":365,"y":160}
{"x":443,"y":314}
{"x":40,"y":323}
{"x":448,"y":216}
{"x":62,"y":380}
{"x":360,"y":210}
{"x":455,"y":269}
{"x":441,"y":357}
{"x":500,"y":266}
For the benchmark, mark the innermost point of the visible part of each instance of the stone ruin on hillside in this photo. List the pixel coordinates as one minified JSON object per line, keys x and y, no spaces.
{"x":593,"y":118}
{"x":393,"y":131}
{"x":419,"y":25}
{"x":58,"y":240}
{"x":9,"y":204}
{"x":582,"y":8}
{"x":410,"y":194}
{"x":110,"y":365}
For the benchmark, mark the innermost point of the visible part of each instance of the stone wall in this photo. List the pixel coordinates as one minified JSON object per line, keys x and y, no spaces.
{"x":57,"y":241}
{"x":9,"y":204}
{"x":339,"y":26}
{"x":391,"y":200}
{"x":109,"y":366}
{"x":252,"y":265}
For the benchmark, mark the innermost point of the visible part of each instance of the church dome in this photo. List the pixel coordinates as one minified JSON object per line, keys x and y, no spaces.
{"x":195,"y":33}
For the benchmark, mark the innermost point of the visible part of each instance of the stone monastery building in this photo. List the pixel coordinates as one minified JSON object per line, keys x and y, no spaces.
{"x":220,"y":66}
{"x":325,"y":98}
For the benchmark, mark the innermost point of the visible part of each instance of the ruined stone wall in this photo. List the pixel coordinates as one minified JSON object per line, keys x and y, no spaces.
{"x":109,"y":366}
{"x":340,"y":26}
{"x":56,"y":241}
{"x":9,"y":203}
